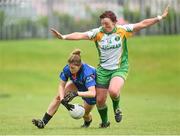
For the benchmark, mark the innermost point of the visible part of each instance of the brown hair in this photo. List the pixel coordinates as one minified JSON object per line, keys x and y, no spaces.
{"x":110,"y":15}
{"x":75,"y":57}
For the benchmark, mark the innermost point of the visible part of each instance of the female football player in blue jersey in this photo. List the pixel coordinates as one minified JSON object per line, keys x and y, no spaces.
{"x":82,"y":83}
{"x":111,"y":42}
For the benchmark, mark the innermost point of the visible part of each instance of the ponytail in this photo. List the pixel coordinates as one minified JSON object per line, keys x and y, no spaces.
{"x":75,"y":57}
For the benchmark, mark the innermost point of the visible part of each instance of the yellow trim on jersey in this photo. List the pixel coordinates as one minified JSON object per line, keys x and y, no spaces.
{"x":122,"y":32}
{"x":99,"y":36}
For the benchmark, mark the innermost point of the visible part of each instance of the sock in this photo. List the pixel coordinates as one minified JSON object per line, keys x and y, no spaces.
{"x":103,"y":113}
{"x":46,"y":118}
{"x":115,"y":102}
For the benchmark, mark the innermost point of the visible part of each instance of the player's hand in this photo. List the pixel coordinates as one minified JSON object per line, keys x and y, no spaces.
{"x":165,"y":13}
{"x":70,"y":96}
{"x":57,"y":34}
{"x":68,"y":106}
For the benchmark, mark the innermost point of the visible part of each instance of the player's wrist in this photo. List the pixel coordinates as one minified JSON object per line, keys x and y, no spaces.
{"x":159,"y":17}
{"x":63,"y":102}
{"x":63,"y":37}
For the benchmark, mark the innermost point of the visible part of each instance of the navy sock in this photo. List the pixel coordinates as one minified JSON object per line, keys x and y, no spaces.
{"x":46,"y":118}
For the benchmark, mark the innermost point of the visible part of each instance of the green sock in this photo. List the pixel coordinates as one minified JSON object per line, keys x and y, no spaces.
{"x":115,"y":102}
{"x":103,"y":113}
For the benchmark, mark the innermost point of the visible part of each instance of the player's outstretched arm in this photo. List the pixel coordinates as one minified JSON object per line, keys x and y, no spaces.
{"x":151,"y":21}
{"x":72,"y":36}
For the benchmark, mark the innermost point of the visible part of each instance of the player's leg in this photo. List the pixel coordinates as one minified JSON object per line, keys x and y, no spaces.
{"x":101,"y":96}
{"x":115,"y":87}
{"x":87,"y":116}
{"x":53,"y":107}
{"x":103,"y":79}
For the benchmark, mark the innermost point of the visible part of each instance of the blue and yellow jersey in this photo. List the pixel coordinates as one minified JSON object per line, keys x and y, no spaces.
{"x":112,"y":47}
{"x":84,"y":79}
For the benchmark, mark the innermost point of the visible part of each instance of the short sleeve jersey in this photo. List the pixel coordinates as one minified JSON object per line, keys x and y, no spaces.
{"x":112,"y":47}
{"x":85,"y":78}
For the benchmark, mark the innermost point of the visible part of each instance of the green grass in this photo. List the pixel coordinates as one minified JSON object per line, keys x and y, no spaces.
{"x":150,"y":99}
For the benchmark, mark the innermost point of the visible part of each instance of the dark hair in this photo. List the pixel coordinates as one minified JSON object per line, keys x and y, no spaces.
{"x":75,"y":57}
{"x":110,"y":15}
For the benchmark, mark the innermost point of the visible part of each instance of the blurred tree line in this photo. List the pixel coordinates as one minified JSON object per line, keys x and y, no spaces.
{"x":27,"y":28}
{"x":167,"y":26}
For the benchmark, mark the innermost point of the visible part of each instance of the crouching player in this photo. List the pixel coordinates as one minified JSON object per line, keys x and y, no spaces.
{"x":82,"y":83}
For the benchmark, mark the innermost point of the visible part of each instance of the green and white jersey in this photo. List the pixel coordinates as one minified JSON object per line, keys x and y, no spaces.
{"x":112,"y":47}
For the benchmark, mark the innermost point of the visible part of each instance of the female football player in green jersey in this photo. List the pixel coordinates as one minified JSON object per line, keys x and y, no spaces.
{"x":110,"y":40}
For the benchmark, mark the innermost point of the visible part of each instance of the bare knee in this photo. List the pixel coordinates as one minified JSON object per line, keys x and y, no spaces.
{"x":113,"y":93}
{"x":57,"y":98}
{"x":100,"y":101}
{"x":101,"y":96}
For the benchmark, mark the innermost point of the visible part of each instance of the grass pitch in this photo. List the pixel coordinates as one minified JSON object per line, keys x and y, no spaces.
{"x":150,"y":99}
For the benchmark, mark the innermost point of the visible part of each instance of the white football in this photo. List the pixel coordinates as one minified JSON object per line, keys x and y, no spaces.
{"x":77,"y":112}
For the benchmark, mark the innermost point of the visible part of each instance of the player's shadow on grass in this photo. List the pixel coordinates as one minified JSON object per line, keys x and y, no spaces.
{"x":3,"y":96}
{"x":73,"y":128}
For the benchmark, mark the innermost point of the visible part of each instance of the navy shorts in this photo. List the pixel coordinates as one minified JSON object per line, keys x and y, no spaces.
{"x":90,"y":101}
